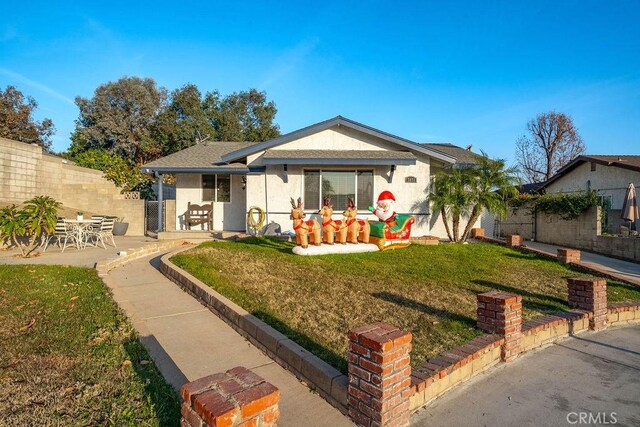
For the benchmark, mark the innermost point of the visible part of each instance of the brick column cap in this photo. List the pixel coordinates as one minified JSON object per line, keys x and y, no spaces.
{"x":586,"y":280}
{"x":500,"y":297}
{"x":380,"y":336}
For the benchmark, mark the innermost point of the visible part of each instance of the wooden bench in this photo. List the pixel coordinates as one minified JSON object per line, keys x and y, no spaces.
{"x":199,"y":214}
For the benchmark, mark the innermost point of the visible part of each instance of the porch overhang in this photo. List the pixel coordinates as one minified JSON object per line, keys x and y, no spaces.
{"x":338,"y":157}
{"x":253,"y":170}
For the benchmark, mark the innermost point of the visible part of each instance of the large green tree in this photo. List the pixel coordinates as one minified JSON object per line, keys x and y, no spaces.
{"x":17,"y":122}
{"x":120,"y":118}
{"x":184,"y":121}
{"x":464,"y":192}
{"x":242,"y":116}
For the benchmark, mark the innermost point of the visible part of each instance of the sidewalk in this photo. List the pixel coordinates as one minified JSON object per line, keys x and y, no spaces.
{"x":188,"y":342}
{"x":626,"y":270}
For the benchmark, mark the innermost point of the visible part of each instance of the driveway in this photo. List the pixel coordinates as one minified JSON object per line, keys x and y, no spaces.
{"x":591,"y":377}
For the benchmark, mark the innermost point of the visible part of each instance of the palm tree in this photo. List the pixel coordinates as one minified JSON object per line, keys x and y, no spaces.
{"x":495,"y":185}
{"x":465,"y":192}
{"x":450,"y":195}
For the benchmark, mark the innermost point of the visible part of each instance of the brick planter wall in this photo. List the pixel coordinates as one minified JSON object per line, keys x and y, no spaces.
{"x":477,"y":232}
{"x":237,"y":397}
{"x":568,"y":256}
{"x":514,"y":240}
{"x":501,"y":313}
{"x":590,"y":295}
{"x":379,"y":375}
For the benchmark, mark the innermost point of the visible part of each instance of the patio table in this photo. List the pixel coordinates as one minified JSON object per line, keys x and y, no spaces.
{"x":79,"y":228}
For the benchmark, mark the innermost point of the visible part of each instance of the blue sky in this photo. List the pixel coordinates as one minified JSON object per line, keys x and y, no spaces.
{"x":461,"y":72}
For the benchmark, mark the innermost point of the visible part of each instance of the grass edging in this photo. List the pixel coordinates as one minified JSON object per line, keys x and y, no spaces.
{"x":330,"y":383}
{"x":103,"y":267}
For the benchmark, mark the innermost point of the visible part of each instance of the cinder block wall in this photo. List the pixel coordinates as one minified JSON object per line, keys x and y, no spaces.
{"x":25,"y":172}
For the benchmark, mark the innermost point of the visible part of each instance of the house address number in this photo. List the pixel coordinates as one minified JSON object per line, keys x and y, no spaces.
{"x":411,"y":180}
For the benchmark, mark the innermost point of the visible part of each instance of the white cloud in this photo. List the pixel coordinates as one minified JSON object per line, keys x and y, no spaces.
{"x":36,"y":85}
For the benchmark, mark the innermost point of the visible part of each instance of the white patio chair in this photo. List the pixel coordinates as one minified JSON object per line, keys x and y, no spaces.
{"x":63,"y":234}
{"x":105,"y":231}
{"x":91,"y":231}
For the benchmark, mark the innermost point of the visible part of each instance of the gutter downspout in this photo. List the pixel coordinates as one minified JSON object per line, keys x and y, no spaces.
{"x":160,"y":203}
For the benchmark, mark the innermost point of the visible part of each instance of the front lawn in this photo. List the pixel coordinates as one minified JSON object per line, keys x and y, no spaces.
{"x":429,"y":290}
{"x":68,"y":356}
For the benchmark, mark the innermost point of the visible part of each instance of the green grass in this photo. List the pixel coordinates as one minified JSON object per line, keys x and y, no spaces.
{"x":429,"y":290}
{"x":69,"y":356}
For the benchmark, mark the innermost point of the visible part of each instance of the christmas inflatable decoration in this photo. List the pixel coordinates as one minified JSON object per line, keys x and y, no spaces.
{"x":330,"y":226}
{"x":353,"y":234}
{"x":393,"y":230}
{"x":304,"y":229}
{"x":357,"y":229}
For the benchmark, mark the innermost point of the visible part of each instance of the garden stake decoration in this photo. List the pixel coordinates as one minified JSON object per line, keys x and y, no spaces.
{"x":330,"y":226}
{"x":304,"y":228}
{"x":357,"y":228}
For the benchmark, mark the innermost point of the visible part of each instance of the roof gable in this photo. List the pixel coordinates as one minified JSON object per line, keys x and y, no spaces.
{"x":337,"y":121}
{"x":630,"y":162}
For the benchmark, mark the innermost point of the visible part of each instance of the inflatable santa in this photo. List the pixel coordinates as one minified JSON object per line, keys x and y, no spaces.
{"x":385,"y":208}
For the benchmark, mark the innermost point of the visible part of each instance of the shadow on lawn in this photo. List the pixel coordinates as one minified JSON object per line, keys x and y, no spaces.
{"x":424,"y":308}
{"x":336,"y":360}
{"x":269,"y":243}
{"x":157,"y":388}
{"x":533,"y":300}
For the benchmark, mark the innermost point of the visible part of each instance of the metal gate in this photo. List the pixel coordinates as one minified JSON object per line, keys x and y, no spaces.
{"x":151,"y":215}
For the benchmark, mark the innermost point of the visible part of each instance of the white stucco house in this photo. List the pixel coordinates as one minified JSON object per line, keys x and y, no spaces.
{"x":337,"y":157}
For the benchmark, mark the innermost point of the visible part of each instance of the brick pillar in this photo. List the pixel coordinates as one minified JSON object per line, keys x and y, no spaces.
{"x":477,"y":232}
{"x":590,"y":295}
{"x":567,"y":256}
{"x":514,"y":240}
{"x":379,"y":375}
{"x":501,"y":313}
{"x":237,"y":397}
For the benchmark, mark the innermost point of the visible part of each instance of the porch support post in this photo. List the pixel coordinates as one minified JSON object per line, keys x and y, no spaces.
{"x":160,"y":222}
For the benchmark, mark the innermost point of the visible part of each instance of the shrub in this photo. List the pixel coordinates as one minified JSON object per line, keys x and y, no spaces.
{"x":25,"y":227}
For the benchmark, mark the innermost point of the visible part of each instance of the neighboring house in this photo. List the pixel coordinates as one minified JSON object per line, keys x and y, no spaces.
{"x":337,"y":157}
{"x":608,"y":175}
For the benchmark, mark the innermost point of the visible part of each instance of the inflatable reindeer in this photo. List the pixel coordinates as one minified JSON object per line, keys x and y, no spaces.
{"x":304,"y":228}
{"x":355,"y":227}
{"x":330,"y":226}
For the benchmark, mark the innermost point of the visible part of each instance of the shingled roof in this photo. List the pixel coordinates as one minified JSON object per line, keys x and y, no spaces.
{"x":368,"y":157}
{"x":203,"y":156}
{"x":462,"y":155}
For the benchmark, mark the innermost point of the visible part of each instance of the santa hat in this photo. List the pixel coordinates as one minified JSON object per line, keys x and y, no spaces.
{"x":386,"y":196}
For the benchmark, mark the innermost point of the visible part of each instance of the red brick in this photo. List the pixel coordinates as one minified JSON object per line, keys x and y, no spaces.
{"x":359,"y":372}
{"x":257,"y":399}
{"x":271,"y":416}
{"x":214,"y":409}
{"x":198,"y":386}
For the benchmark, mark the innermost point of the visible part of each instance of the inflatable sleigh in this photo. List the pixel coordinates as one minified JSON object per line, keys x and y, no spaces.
{"x":392,"y":237}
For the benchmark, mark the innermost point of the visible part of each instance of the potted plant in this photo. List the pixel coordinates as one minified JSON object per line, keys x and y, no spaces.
{"x":80,"y":216}
{"x":120,"y":227}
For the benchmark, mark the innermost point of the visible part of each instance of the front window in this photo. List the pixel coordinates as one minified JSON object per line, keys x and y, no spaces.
{"x":340,"y":185}
{"x":216,"y":188}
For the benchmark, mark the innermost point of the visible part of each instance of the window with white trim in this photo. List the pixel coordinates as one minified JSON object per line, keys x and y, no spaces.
{"x":216,"y":188}
{"x":340,"y":185}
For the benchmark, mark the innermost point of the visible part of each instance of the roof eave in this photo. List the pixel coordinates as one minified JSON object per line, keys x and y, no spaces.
{"x":174,"y":169}
{"x":341,"y":162}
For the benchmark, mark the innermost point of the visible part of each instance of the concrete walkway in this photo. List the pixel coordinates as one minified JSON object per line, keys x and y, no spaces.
{"x":79,"y":258}
{"x":597,"y":373}
{"x":187,"y":341}
{"x":615,"y":267}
